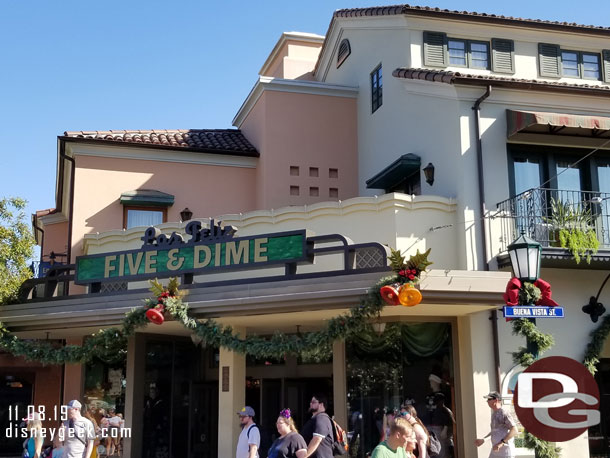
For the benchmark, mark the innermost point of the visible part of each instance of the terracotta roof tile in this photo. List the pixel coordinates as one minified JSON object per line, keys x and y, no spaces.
{"x":426,"y":10}
{"x":444,"y":76}
{"x":393,"y":10}
{"x":205,"y":140}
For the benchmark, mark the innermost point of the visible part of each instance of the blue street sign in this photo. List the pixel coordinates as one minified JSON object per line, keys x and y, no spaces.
{"x":533,"y":311}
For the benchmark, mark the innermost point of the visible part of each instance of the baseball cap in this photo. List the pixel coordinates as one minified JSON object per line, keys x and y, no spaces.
{"x":74,"y":404}
{"x":493,"y":395}
{"x":246,"y":412}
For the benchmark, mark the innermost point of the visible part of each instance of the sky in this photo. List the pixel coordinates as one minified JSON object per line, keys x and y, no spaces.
{"x":130,"y":64}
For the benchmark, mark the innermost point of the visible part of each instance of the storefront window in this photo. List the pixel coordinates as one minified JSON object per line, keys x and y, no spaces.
{"x":409,"y":363}
{"x":105,"y":402}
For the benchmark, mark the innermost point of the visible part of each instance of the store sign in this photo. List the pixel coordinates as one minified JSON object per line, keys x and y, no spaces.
{"x":208,"y":250}
{"x":533,"y":312}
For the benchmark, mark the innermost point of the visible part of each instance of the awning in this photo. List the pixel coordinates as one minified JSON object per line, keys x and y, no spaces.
{"x":147,"y":198}
{"x":403,"y":167}
{"x":555,"y":123}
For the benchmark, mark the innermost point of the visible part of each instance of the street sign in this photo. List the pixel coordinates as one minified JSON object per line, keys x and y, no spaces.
{"x":533,"y":311}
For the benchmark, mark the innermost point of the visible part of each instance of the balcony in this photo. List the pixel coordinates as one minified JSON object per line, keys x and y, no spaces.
{"x":546,"y":215}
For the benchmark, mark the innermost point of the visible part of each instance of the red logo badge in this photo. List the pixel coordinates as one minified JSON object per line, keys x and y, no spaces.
{"x":557,"y":399}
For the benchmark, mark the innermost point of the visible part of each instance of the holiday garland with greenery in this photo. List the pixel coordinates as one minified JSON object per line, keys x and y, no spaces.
{"x":530,"y":294}
{"x":110,"y":344}
{"x":595,"y":346}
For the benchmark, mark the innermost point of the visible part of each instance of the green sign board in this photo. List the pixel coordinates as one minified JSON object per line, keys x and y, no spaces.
{"x":167,"y":257}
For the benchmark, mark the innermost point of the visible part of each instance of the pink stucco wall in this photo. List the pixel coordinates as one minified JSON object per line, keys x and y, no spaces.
{"x":55,"y":239}
{"x":303,"y":131}
{"x":205,"y":189}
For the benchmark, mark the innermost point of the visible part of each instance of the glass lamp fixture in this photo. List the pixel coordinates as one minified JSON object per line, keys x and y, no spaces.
{"x":525,"y":258}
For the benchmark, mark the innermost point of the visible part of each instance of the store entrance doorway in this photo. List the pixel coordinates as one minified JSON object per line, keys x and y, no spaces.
{"x":203,"y":420}
{"x":268,"y":396}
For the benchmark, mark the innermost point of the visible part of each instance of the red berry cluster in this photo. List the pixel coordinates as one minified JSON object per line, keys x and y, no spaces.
{"x":409,"y":273}
{"x":164,"y":295}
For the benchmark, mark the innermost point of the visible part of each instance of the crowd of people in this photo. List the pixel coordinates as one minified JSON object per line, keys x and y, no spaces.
{"x":94,"y":433}
{"x":403,"y":435}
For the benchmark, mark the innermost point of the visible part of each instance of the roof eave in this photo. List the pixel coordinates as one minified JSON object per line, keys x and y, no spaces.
{"x":96,"y":141}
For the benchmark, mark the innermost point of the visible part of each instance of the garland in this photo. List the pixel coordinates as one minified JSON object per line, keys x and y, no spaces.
{"x":530,"y":294}
{"x":110,"y":344}
{"x":595,"y":346}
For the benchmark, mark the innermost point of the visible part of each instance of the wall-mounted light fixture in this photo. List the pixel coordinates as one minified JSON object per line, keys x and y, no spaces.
{"x":595,"y":309}
{"x":429,"y":173}
{"x":186,"y":214}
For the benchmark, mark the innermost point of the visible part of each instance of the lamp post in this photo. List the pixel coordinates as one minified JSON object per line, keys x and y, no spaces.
{"x":525,"y":260}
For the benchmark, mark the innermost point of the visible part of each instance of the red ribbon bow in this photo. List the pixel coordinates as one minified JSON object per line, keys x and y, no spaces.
{"x":511,"y":296}
{"x":545,"y":293}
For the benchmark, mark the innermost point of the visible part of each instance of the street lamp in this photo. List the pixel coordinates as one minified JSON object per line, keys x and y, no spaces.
{"x":525,"y":258}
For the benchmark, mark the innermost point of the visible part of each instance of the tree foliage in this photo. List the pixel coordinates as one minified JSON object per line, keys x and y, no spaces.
{"x":16,"y":248}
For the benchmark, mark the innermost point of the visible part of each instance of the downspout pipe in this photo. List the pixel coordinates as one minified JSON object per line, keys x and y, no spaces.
{"x":64,"y":156}
{"x":38,"y":228}
{"x":494,"y":313}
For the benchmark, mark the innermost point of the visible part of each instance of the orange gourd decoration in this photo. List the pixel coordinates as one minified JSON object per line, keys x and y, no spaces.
{"x":409,"y":296}
{"x":389,"y":293}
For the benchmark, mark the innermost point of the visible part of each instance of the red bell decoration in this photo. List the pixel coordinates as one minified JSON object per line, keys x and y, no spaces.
{"x":389,"y":293}
{"x":155,"y":314}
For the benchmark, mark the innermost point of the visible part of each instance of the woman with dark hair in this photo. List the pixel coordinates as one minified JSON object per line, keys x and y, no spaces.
{"x":422,"y":435}
{"x":290,"y":444}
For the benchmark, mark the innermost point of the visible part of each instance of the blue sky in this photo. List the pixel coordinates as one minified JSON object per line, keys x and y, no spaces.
{"x":86,"y":65}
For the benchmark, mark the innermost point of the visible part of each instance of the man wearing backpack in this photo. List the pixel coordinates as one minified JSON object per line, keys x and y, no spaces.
{"x":250,"y":437}
{"x":318,"y":431}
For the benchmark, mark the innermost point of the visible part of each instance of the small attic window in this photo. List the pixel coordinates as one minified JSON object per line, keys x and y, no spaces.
{"x":344,"y":50}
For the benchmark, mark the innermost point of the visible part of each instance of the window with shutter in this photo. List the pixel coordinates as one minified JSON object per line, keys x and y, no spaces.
{"x":503,"y":56}
{"x":549,"y":60}
{"x":606,"y":58}
{"x":435,"y":49}
{"x":344,"y":50}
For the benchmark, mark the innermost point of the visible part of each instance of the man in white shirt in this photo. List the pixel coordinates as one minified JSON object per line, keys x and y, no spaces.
{"x":250,"y":437}
{"x":79,"y":433}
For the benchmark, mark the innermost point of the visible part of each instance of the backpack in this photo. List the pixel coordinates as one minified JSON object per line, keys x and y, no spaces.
{"x":250,"y":428}
{"x":434,"y":449}
{"x":46,"y":452}
{"x":340,"y":444}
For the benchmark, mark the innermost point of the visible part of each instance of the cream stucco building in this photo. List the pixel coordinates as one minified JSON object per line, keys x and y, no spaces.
{"x":333,"y":139}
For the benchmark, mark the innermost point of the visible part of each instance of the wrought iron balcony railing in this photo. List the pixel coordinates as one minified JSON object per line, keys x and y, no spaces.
{"x":542,"y":213}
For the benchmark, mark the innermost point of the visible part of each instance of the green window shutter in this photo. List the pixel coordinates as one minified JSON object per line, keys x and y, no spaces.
{"x":549,"y":58}
{"x":502,"y":55}
{"x":606,"y":59}
{"x":435,"y":49}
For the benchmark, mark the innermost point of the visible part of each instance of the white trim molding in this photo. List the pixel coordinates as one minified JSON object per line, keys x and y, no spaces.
{"x":267,"y":83}
{"x":160,"y":155}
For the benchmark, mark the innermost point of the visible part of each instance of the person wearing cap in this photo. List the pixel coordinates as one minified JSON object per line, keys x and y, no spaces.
{"x":79,"y":433}
{"x":250,"y":437}
{"x":503,"y":429}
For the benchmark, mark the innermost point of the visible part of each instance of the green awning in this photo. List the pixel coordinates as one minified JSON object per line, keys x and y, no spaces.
{"x":147,"y":198}
{"x":395,"y":173}
{"x":555,"y":123}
